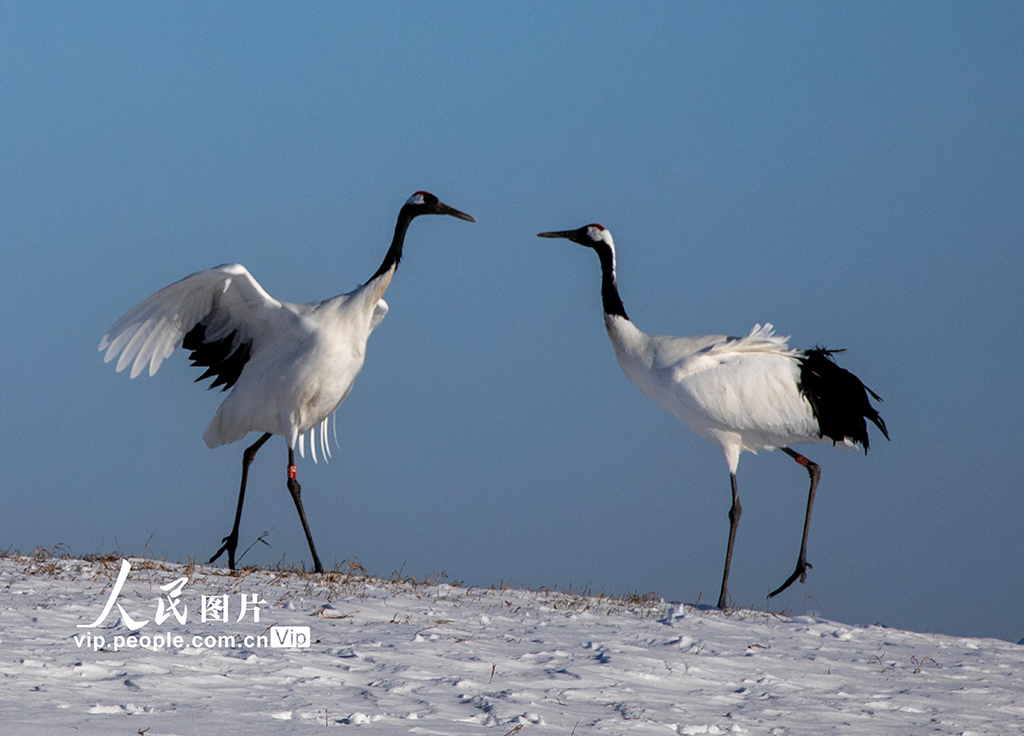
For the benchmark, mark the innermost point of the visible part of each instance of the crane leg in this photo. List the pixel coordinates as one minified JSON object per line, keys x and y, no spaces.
{"x":231,"y":540}
{"x":296,"y":490}
{"x":802,"y":565}
{"x":734,"y":520}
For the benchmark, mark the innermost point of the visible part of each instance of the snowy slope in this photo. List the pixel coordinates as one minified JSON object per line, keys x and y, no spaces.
{"x":397,"y":657}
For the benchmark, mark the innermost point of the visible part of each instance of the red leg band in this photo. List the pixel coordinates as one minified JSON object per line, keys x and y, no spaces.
{"x":291,"y":472}
{"x":801,"y":460}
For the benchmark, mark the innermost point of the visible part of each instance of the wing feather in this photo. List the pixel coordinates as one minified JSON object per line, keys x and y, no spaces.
{"x":227,"y":299}
{"x":685,"y":356}
{"x":762,"y":339}
{"x":379,"y":310}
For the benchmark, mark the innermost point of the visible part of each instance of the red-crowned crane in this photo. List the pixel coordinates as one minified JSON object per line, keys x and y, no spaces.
{"x":741,"y":393}
{"x":289,"y":366}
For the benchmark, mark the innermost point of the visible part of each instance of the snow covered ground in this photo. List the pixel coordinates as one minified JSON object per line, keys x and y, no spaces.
{"x":391,"y":656}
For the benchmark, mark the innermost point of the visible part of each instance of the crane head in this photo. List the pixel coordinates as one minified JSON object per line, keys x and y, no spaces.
{"x":592,"y":235}
{"x":425,"y":203}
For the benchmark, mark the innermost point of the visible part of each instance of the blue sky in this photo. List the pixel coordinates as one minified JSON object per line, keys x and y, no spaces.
{"x":850,"y":173}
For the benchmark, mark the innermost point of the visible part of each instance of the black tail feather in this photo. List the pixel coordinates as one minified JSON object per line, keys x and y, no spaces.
{"x":838,"y":398}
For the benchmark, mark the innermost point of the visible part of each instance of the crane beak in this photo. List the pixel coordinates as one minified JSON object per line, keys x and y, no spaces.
{"x":573,"y":235}
{"x":443,"y":209}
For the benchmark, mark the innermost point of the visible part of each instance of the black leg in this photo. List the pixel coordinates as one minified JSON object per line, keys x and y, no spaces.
{"x":802,"y":565}
{"x":296,"y":490}
{"x":734,"y":520}
{"x":231,"y":540}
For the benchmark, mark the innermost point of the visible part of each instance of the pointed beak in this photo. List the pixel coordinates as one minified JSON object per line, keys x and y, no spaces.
{"x":567,"y":234}
{"x":443,"y":209}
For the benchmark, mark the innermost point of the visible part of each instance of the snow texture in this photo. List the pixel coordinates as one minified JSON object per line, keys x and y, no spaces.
{"x":394,"y":656}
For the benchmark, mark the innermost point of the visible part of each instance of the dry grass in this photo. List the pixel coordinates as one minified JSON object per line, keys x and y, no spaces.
{"x":347,"y":580}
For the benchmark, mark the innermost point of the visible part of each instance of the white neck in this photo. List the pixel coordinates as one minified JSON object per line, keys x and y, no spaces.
{"x":632,"y":348}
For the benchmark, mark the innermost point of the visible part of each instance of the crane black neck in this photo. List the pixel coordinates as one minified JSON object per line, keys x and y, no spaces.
{"x":610,"y":299}
{"x":394,"y":254}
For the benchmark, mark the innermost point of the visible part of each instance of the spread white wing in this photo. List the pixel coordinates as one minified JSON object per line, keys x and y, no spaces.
{"x":226,"y":299}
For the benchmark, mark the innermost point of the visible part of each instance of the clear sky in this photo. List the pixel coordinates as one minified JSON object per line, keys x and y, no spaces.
{"x":851,"y":173}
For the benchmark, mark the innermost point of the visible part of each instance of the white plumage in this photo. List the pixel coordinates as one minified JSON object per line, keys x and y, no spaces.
{"x":303,"y":361}
{"x":742,"y":393}
{"x":288,"y":366}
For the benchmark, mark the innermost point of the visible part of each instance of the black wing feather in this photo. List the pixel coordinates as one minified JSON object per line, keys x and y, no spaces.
{"x":838,"y":398}
{"x":221,"y":358}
